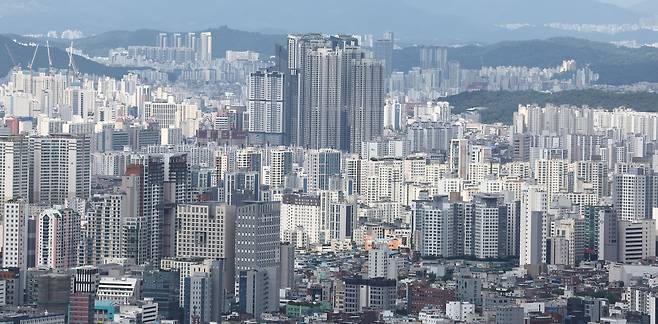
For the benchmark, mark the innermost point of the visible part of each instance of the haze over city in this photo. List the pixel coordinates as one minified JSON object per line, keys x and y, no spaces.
{"x":296,"y":161}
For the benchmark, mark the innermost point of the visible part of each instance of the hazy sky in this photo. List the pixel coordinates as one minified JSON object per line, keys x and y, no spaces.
{"x":466,"y":19}
{"x":623,"y":3}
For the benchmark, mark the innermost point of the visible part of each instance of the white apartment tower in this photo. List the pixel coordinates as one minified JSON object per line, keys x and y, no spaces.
{"x":281,"y":160}
{"x":15,"y":161}
{"x":301,"y":212}
{"x":205,"y":48}
{"x":459,"y":157}
{"x":382,"y":263}
{"x":62,"y":168}
{"x":265,"y":102}
{"x":106,"y":227}
{"x":491,"y":227}
{"x":552,"y":175}
{"x":434,"y":227}
{"x":533,"y":227}
{"x":632,"y":194}
{"x":57,"y":238}
{"x":15,"y":234}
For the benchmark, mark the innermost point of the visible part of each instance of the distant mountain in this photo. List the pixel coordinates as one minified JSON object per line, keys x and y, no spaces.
{"x":616,"y":65}
{"x":622,"y":3}
{"x":646,"y":7}
{"x":530,"y":11}
{"x":412,"y":20}
{"x":100,"y":44}
{"x":22,"y":54}
{"x":502,"y":104}
{"x":224,"y":39}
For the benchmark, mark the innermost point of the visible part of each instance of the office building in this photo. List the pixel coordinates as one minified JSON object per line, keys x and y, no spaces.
{"x":257,"y":246}
{"x":207,"y":230}
{"x":204,"y":294}
{"x":121,"y":290}
{"x":636,"y":240}
{"x":197,"y":305}
{"x":323,"y":168}
{"x":377,"y":294}
{"x":434,"y":57}
{"x":383,"y":51}
{"x":164,"y":288}
{"x":54,"y":291}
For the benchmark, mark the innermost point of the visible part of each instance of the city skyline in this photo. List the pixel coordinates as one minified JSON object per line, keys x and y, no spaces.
{"x":329,"y":162}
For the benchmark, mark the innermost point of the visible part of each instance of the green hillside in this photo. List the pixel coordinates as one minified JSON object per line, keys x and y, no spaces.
{"x":502,"y":104}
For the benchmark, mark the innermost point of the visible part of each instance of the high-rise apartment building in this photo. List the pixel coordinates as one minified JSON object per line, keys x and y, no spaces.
{"x":280,"y":166}
{"x":265,"y":102}
{"x":383,"y":51}
{"x":434,"y":226}
{"x":632,"y":193}
{"x":382,"y":263}
{"x":177,"y":40}
{"x":162,"y":40}
{"x":341,"y":93}
{"x":106,"y":227}
{"x":366,"y":112}
{"x":143,"y":187}
{"x":15,"y":234}
{"x":533,"y":226}
{"x":434,"y":57}
{"x":57,"y":238}
{"x":323,"y":167}
{"x":491,"y":225}
{"x":191,"y":41}
{"x":300,"y":213}
{"x":459,"y":157}
{"x":205,"y":47}
{"x":61,"y":168}
{"x":15,"y":159}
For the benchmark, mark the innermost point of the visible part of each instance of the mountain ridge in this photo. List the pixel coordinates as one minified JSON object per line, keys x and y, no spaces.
{"x":467,"y":21}
{"x":22,"y":54}
{"x":616,"y":65}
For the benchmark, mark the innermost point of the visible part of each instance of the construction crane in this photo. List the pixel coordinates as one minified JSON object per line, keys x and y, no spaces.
{"x":36,"y":49}
{"x":50,"y":60}
{"x":72,"y":66}
{"x":11,"y":56}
